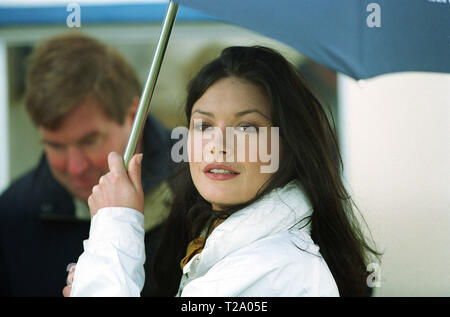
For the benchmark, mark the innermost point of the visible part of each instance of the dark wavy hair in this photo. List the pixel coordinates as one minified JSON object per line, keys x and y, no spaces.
{"x":309,"y":153}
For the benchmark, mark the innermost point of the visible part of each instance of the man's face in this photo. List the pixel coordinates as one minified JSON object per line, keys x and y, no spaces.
{"x":77,"y":151}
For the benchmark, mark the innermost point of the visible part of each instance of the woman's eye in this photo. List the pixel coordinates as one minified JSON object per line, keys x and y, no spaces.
{"x":201,"y":127}
{"x":247,"y":128}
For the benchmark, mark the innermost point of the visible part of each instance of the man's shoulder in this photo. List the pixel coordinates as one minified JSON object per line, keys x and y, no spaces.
{"x":18,"y":190}
{"x":31,"y":190}
{"x":156,"y":131}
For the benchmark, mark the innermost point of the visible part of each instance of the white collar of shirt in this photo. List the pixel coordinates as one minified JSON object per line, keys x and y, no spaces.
{"x":280,"y":210}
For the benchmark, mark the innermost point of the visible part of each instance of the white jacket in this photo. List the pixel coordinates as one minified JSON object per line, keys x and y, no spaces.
{"x":261,"y":250}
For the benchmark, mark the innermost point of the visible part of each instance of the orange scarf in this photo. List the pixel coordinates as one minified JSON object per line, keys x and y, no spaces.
{"x":194,"y":247}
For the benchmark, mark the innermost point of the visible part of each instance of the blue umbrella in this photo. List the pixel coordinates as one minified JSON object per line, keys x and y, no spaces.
{"x":360,"y":38}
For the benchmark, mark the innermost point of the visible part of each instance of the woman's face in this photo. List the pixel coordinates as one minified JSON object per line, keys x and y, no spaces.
{"x":225,"y":173}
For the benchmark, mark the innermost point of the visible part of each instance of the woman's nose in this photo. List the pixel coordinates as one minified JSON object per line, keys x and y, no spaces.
{"x":218,"y":149}
{"x":222,"y":143}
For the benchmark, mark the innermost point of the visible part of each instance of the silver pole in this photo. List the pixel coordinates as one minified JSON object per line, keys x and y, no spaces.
{"x":144,"y":102}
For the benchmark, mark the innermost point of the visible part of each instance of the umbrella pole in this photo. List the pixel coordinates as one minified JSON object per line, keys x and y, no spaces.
{"x":144,"y":102}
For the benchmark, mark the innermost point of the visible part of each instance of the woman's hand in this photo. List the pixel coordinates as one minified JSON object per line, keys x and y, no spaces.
{"x":118,"y":188}
{"x":66,"y":290}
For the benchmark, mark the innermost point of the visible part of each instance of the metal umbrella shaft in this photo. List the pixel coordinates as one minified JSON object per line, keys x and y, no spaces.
{"x":144,"y":102}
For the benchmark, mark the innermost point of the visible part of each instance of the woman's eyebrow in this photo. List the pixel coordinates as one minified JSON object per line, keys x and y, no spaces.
{"x":237,"y":114}
{"x":209,"y":114}
{"x":241,"y":113}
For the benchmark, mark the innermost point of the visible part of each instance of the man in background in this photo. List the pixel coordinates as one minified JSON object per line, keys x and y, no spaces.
{"x":82,"y":97}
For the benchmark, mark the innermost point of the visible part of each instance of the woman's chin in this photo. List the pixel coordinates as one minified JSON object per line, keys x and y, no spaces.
{"x":219,"y":201}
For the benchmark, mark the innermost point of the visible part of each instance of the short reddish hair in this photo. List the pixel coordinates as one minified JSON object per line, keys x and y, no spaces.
{"x":66,"y":69}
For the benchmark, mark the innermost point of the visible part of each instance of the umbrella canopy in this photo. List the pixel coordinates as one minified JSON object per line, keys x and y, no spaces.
{"x":360,"y":38}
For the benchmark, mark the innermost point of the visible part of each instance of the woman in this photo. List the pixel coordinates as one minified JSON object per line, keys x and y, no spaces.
{"x":234,"y":230}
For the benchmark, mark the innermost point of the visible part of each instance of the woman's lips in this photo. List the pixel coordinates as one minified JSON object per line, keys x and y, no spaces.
{"x":217,"y":176}
{"x":220,"y":177}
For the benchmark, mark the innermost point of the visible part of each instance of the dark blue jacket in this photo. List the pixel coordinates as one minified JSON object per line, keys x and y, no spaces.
{"x":39,"y":234}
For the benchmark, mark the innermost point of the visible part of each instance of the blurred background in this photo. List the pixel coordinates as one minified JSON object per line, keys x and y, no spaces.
{"x":393,"y":129}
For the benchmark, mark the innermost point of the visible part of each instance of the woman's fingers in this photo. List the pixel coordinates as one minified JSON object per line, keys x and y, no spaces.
{"x":116,"y":164}
{"x":119,"y":187}
{"x":71,"y":269}
{"x":134,"y":171}
{"x":66,"y":291}
{"x":70,"y":277}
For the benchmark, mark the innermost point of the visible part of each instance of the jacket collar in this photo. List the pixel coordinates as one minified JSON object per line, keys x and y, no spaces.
{"x":280,"y":210}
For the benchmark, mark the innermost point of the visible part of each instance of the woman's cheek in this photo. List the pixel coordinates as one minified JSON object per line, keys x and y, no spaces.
{"x":195,"y":145}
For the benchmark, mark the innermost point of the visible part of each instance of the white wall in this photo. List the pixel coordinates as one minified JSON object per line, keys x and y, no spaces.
{"x":396,"y":147}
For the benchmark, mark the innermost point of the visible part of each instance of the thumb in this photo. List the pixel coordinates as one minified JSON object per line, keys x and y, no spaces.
{"x":116,"y":164}
{"x":134,"y":171}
